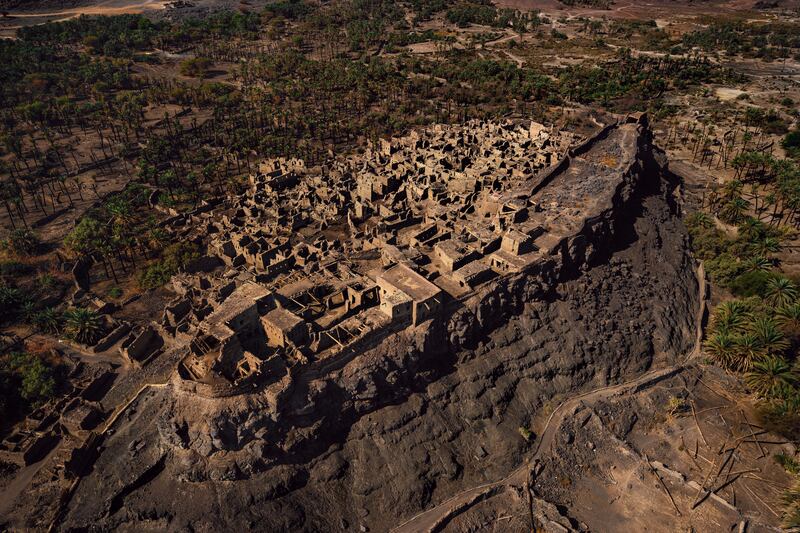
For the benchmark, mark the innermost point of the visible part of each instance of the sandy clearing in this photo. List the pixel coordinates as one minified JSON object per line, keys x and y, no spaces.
{"x":109,"y":7}
{"x":727,"y":94}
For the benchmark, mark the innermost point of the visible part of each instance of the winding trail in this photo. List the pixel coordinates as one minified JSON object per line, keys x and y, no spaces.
{"x":509,"y":37}
{"x":435,"y":518}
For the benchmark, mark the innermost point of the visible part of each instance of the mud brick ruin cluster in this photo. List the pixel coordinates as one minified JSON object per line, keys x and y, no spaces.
{"x":319,"y":259}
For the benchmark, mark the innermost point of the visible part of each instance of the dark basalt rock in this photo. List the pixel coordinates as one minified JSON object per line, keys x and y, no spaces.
{"x":397,"y":428}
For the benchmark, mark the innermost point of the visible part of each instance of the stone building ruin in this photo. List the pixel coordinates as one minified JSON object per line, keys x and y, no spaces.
{"x":318,"y":259}
{"x":316,"y":262}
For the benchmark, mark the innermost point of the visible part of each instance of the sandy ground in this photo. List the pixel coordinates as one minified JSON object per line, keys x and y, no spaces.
{"x":40,"y":12}
{"x":16,"y":19}
{"x":108,"y":7}
{"x":726,"y":93}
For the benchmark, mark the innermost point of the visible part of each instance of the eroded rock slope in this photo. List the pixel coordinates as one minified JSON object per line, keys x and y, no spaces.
{"x":435,"y":409}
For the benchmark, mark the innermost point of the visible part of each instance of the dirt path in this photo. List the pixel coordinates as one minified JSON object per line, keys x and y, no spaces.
{"x":510,"y":37}
{"x":102,"y":8}
{"x":435,"y":518}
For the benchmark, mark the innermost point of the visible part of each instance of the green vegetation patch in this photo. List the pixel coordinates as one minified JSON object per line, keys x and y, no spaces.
{"x":175,"y":258}
{"x":791,"y":143}
{"x":773,"y":40}
{"x":26,"y":381}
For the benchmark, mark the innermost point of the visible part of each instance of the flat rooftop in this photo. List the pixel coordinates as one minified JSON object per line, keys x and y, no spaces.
{"x":282,"y":319}
{"x":240,"y":300}
{"x":404,"y":278}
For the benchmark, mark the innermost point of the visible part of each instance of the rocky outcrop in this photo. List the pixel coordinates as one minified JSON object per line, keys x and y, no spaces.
{"x":434,"y":409}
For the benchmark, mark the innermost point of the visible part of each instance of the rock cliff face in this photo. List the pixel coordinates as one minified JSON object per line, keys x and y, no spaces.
{"x":432,"y":410}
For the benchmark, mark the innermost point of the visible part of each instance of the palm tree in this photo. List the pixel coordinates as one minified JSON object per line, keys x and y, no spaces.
{"x":732,"y":189}
{"x":788,"y":317}
{"x":772,"y":377}
{"x":767,"y":246}
{"x":759,"y":263}
{"x":9,"y":295}
{"x":721,"y":348}
{"x":156,"y":237}
{"x":748,"y":350}
{"x":702,"y":219}
{"x":751,"y":229}
{"x":734,"y":209}
{"x":83,"y":325}
{"x":121,"y":212}
{"x":47,"y":321}
{"x":730,"y":316}
{"x":11,"y":195}
{"x":781,"y":291}
{"x":28,"y":310}
{"x":769,"y":336}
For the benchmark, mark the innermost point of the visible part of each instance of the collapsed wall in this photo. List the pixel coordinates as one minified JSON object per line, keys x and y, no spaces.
{"x":434,"y":409}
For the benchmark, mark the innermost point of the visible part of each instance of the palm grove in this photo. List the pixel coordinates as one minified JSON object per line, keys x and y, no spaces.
{"x":96,"y":118}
